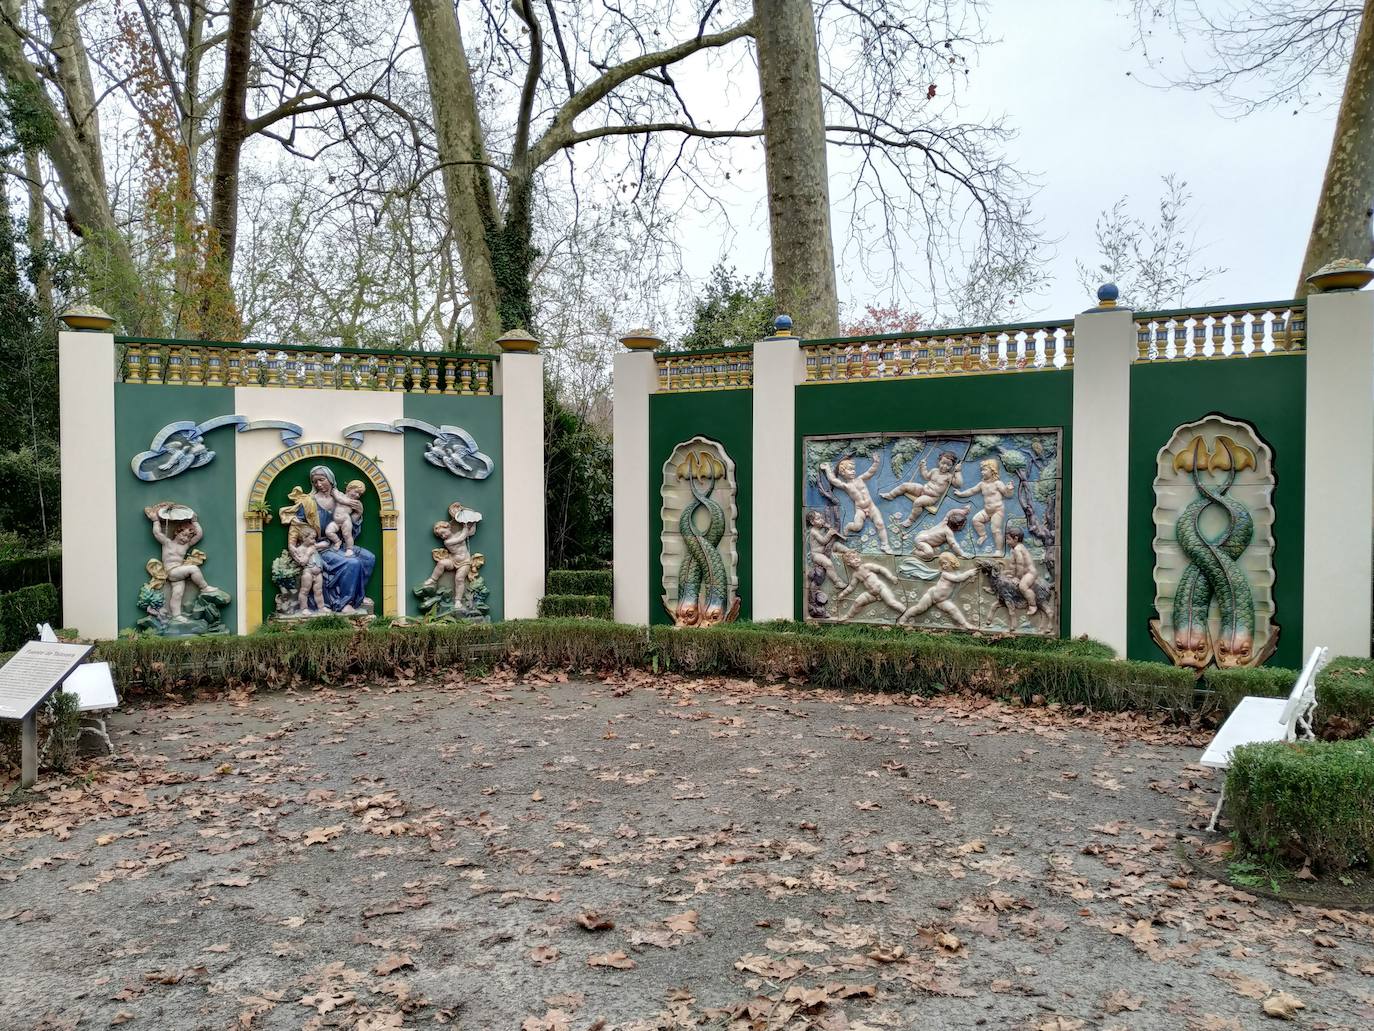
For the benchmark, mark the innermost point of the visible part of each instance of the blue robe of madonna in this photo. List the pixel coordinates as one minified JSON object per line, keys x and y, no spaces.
{"x":345,"y":576}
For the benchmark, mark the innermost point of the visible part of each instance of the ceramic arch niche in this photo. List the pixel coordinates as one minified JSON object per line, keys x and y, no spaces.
{"x":1214,"y":546}
{"x":705,"y":463}
{"x":257,"y":512}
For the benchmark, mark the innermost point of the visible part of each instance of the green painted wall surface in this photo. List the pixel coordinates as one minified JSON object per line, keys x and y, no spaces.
{"x":140,"y":411}
{"x":726,"y":416}
{"x":1005,"y":401}
{"x":430,"y":490}
{"x":1269,"y":393}
{"x":297,"y":474}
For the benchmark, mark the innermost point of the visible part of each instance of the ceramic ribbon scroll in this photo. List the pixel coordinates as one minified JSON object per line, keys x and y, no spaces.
{"x":1214,"y":546}
{"x":699,"y":553}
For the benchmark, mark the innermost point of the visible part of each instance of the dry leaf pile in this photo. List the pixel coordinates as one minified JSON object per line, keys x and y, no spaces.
{"x":644,"y":854}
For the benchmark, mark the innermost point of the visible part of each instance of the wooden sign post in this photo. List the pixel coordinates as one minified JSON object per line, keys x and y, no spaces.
{"x":33,"y":673}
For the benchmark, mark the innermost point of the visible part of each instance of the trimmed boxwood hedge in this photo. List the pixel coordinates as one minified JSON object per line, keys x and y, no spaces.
{"x":1060,"y":671}
{"x":580,"y":581}
{"x":594,"y":606}
{"x":1345,"y":691}
{"x":1304,"y":802}
{"x":22,"y":610}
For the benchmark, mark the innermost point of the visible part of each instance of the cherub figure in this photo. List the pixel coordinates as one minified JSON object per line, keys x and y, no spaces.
{"x":941,"y":594}
{"x":179,"y":562}
{"x":856,"y":486}
{"x":454,"y":556}
{"x":819,"y":536}
{"x":994,"y":492}
{"x":929,"y":494}
{"x":1022,"y":567}
{"x":304,"y":548}
{"x":942,"y":534}
{"x":349,"y":506}
{"x":877,"y":583}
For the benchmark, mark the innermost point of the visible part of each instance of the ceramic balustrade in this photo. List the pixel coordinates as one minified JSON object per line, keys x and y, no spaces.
{"x":194,"y":364}
{"x":1242,"y":331}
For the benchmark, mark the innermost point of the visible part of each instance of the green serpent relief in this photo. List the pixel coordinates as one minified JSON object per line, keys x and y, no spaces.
{"x":1214,"y":546}
{"x":699,"y":538}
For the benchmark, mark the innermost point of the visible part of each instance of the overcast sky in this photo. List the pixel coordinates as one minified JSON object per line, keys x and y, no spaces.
{"x":1090,"y":134}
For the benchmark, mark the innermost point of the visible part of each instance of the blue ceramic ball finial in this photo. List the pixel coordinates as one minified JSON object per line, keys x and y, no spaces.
{"x":782,"y":326}
{"x":1107,"y":294}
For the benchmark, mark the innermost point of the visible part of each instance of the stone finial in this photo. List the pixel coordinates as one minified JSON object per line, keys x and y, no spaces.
{"x":782,"y":326}
{"x":1107,"y":294}
{"x":87,"y":317}
{"x":519,"y":341}
{"x":642,"y":339}
{"x":1341,"y":274}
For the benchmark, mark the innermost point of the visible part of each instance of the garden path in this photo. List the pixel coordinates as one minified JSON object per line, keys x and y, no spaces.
{"x":640,"y":854}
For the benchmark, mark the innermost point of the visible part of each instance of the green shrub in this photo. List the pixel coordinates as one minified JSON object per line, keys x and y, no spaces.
{"x":594,"y":606}
{"x":63,"y":717}
{"x":22,"y":610}
{"x":27,"y":570}
{"x":1304,"y":802}
{"x":580,"y":581}
{"x":1345,"y":693}
{"x":1224,"y":688}
{"x":1345,"y":689}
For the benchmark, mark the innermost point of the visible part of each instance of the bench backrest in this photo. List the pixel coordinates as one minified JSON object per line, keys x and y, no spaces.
{"x":1304,"y":694}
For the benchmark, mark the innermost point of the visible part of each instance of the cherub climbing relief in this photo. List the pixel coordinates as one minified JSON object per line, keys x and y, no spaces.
{"x":892,"y":534}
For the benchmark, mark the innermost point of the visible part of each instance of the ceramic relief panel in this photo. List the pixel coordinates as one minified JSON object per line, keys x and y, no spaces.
{"x":1214,"y":546}
{"x":937,"y":531}
{"x":700,"y":534}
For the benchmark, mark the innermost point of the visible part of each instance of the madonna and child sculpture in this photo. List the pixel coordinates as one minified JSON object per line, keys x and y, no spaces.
{"x":323,"y":569}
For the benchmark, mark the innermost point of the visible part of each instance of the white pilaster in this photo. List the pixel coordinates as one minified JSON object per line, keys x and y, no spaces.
{"x":520,"y":382}
{"x":1104,"y":345}
{"x":90,"y":584}
{"x":778,"y":368}
{"x":635,"y":379}
{"x":1339,"y":473}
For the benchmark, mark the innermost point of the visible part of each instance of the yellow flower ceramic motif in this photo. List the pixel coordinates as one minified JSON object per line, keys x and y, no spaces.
{"x":700,"y":465}
{"x":1226,"y":456}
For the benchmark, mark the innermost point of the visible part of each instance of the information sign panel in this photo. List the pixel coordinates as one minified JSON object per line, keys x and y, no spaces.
{"x":34,"y":673}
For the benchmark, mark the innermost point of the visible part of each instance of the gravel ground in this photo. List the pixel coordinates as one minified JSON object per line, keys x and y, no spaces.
{"x":643,"y":854}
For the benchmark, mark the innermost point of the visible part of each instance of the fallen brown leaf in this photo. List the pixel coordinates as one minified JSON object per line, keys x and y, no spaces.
{"x":1282,"y":1006}
{"x":392,"y":963}
{"x":616,"y":959}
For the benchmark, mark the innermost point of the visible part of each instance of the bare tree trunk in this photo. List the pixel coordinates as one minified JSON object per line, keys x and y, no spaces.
{"x":74,"y":78}
{"x":187,"y":258}
{"x":798,"y":186}
{"x":33,"y":176}
{"x":76,"y":160}
{"x":1341,"y":228}
{"x":471,"y":200}
{"x":229,"y":137}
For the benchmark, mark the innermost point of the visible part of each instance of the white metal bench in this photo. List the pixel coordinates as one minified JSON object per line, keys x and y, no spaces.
{"x":93,"y":685}
{"x":1266,"y":719}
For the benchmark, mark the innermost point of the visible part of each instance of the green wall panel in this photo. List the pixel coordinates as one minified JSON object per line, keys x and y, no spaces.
{"x":1269,"y":393}
{"x":430,"y":490}
{"x":726,"y":416}
{"x":297,"y":474}
{"x":140,"y":411}
{"x":1022,"y":400}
